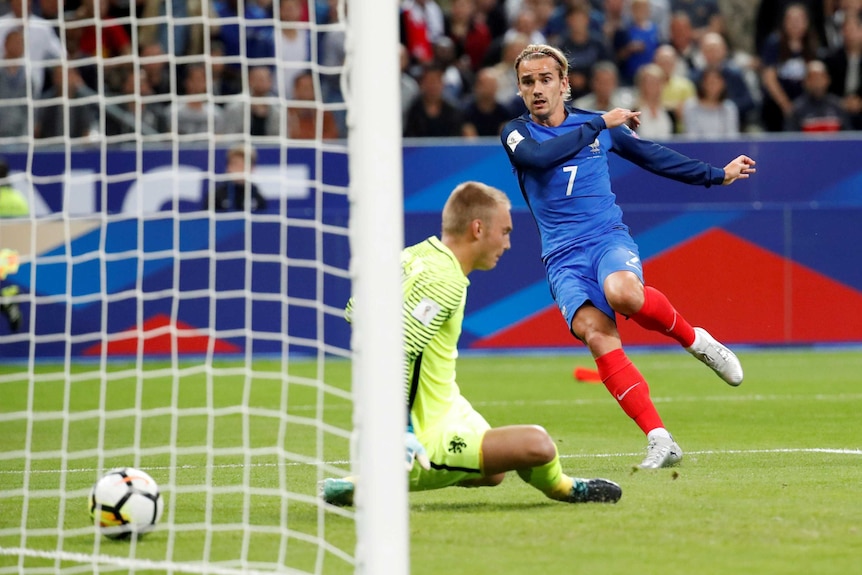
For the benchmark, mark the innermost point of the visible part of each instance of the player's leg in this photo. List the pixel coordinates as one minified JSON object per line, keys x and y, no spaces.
{"x":592,"y":320}
{"x":530,"y":451}
{"x":625,"y":383}
{"x":621,"y":276}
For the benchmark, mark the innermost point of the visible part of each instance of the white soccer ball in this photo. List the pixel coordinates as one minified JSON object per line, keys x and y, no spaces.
{"x":125,"y":502}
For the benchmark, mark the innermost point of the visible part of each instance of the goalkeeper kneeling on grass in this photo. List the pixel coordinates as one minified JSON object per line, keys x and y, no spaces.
{"x":451,"y":441}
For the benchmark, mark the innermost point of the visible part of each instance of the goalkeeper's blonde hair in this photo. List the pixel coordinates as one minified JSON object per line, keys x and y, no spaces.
{"x":471,"y":201}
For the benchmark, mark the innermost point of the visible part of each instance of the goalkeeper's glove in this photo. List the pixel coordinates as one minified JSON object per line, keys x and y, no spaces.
{"x":415,"y":452}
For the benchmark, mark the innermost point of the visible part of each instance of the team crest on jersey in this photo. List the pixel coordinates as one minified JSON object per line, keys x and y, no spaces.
{"x":596,"y":147}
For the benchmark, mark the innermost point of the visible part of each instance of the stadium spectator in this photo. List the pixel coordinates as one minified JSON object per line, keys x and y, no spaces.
{"x":422,"y":22}
{"x":711,"y":114}
{"x":581,"y":47}
{"x":155,"y":63}
{"x":60,"y":106}
{"x":457,"y":75}
{"x":606,"y":93}
{"x":770,"y":19}
{"x":493,"y":13}
{"x":738,"y":17}
{"x":523,"y":26}
{"x":526,"y":23}
{"x":682,"y":40}
{"x":677,"y":89}
{"x":409,"y":85}
{"x":303,"y":120}
{"x":507,"y":85}
{"x":256,"y":29}
{"x":132,"y":111}
{"x":837,"y":13}
{"x":591,"y":261}
{"x":714,"y":51}
{"x":704,"y":15}
{"x":292,"y":46}
{"x":656,"y":121}
{"x":844,"y":65}
{"x":468,"y":31}
{"x":237,"y":193}
{"x":784,"y":57}
{"x":660,"y":11}
{"x":483,"y":114}
{"x":258,"y":113}
{"x":43,"y":48}
{"x":100,"y":39}
{"x":431,"y":115}
{"x":475,"y":234}
{"x":194,"y":113}
{"x":14,"y":117}
{"x":636,"y":43}
{"x":816,"y":110}
{"x":332,"y":45}
{"x":613,"y":22}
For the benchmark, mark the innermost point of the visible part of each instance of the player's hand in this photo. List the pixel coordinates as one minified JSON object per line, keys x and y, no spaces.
{"x":415,"y":452}
{"x":8,"y":263}
{"x":620,"y":116}
{"x":739,"y":169}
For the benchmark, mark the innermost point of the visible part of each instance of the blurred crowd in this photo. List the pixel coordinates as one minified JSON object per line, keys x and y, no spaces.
{"x":705,"y":68}
{"x":117,"y":69}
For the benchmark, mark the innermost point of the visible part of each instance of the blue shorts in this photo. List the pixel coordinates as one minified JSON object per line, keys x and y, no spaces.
{"x":577,"y":275}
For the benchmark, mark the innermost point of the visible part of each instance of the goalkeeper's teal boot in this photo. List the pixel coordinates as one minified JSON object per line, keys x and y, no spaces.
{"x":336,"y":491}
{"x":594,"y":491}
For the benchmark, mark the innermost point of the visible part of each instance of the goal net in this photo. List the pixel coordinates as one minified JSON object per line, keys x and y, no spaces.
{"x":200,"y":201}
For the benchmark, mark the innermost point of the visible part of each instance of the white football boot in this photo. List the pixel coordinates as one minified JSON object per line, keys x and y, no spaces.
{"x":717,"y":356}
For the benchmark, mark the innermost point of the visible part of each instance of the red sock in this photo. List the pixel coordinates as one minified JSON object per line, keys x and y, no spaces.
{"x":629,"y":388}
{"x":657,"y":314}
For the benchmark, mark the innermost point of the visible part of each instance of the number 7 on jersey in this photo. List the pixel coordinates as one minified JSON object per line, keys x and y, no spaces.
{"x":573,"y":173}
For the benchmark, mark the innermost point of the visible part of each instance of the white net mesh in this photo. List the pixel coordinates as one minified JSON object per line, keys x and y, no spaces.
{"x":184,"y":265}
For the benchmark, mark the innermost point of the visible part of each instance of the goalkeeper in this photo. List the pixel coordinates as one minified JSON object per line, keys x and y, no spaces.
{"x":13,"y":204}
{"x":453,"y":443}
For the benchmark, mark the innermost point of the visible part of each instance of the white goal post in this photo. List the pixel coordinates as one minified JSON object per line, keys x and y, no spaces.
{"x":176,"y":322}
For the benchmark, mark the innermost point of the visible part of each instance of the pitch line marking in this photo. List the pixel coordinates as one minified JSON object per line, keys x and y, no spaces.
{"x":137,"y":564}
{"x":825,"y":450}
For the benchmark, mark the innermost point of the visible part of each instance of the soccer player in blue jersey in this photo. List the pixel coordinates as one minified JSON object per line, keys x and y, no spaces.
{"x":559,"y":154}
{"x":452,"y":442}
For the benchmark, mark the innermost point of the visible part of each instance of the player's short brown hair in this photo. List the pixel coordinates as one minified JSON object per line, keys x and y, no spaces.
{"x":471,"y":201}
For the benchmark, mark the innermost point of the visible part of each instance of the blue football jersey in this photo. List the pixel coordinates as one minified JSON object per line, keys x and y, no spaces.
{"x":564,"y":176}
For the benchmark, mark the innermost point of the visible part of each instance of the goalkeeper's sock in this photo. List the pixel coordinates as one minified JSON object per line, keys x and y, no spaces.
{"x":629,"y":388}
{"x":549,"y":478}
{"x":657,"y":314}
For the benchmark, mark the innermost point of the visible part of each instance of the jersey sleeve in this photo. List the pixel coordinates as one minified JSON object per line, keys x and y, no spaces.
{"x":427,"y":305}
{"x":527,"y":152}
{"x":663,"y":161}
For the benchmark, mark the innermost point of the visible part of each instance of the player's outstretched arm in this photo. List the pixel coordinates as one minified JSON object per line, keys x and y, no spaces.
{"x":620,"y":116}
{"x":739,"y":169}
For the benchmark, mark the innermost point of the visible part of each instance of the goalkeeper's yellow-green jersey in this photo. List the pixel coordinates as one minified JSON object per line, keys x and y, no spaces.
{"x":434,"y":294}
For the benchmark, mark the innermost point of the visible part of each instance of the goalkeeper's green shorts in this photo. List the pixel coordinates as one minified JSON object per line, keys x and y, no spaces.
{"x":454,"y":447}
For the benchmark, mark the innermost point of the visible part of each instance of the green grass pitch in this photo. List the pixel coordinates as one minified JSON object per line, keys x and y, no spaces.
{"x":771,"y":481}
